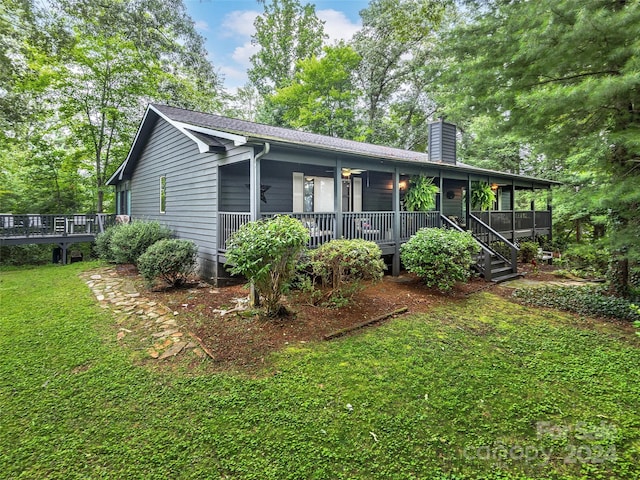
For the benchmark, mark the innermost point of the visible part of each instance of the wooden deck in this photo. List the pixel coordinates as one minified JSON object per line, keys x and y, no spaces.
{"x":58,"y":229}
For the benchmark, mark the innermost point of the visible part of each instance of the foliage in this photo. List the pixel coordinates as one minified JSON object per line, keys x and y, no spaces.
{"x":568,"y":92}
{"x":286,"y":33}
{"x":591,"y":259}
{"x":395,"y":43}
{"x":421,"y":194}
{"x":322,"y":98}
{"x":25,"y":255}
{"x":584,"y":300}
{"x":441,"y":257}
{"x":342,"y":265}
{"x":482,"y":196}
{"x":266,"y":252}
{"x":172,"y":260}
{"x":129,"y":241}
{"x":64,"y":379}
{"x":85,"y":71}
{"x":528,"y":251}
{"x":103,"y":244}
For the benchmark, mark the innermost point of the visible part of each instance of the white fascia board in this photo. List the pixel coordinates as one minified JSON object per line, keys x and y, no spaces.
{"x":238,"y":140}
{"x":202,"y":147}
{"x":118,"y":173}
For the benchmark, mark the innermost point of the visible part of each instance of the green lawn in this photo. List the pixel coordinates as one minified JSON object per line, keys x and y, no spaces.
{"x":481,"y":389}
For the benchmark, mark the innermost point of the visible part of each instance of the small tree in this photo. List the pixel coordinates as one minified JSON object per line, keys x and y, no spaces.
{"x":266,"y":252}
{"x":342,"y":265}
{"x":439,"y":256}
{"x":171,"y":260}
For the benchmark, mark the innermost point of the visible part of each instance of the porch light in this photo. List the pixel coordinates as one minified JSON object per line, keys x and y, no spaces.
{"x":346,"y":172}
{"x":403,"y":185}
{"x":494,"y":187}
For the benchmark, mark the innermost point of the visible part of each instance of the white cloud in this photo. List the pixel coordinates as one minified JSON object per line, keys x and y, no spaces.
{"x":239,"y":22}
{"x":243,"y":53}
{"x":202,"y":25}
{"x":233,"y":74}
{"x":337,"y":25}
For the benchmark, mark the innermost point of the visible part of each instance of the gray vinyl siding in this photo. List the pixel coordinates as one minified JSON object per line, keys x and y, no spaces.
{"x":377,"y":194}
{"x":191,"y":182}
{"x":506,"y":200}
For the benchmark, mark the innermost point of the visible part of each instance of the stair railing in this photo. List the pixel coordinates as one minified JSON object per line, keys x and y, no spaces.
{"x":483,"y":260}
{"x":495,"y":242}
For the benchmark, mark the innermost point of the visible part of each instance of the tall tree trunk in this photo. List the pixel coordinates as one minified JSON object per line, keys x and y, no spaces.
{"x":619,"y":277}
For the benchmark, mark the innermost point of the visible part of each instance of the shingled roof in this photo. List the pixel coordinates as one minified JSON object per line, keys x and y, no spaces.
{"x":260,"y":131}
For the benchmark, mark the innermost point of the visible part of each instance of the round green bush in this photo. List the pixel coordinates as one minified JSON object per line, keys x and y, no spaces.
{"x":102,"y":244}
{"x":131,"y":240}
{"x":528,"y":251}
{"x":171,"y":260}
{"x":267,"y":252}
{"x":439,"y":256}
{"x":343,"y":264}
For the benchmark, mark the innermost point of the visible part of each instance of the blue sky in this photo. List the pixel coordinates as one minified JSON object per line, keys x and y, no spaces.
{"x":227,"y":26}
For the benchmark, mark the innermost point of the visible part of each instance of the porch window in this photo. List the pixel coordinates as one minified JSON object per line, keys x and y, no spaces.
{"x":163,"y":194}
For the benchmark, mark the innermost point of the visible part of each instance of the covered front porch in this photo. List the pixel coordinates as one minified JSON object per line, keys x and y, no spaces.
{"x":339,"y":198}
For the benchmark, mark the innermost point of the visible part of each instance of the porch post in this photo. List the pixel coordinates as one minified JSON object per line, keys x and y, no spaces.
{"x":440,"y":197}
{"x":254,"y":206}
{"x":467,"y":200}
{"x":533,"y":209}
{"x":337,"y":199}
{"x":513,"y":210}
{"x":395,"y":267}
{"x":254,"y":187}
{"x":550,"y":210}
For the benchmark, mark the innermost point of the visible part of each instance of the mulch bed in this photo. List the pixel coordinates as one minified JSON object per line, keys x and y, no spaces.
{"x":243,"y":340}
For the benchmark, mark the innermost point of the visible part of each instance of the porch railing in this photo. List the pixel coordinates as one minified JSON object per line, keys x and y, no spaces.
{"x":53,"y":225}
{"x":321,"y":226}
{"x":518,"y":220}
{"x":411,"y":222}
{"x":374,"y":226}
{"x":228,"y":223}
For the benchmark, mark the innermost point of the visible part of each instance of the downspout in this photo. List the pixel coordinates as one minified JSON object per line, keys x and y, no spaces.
{"x":254,"y":175}
{"x":265,"y":151}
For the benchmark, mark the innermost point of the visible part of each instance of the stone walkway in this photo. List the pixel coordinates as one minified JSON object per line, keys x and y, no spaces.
{"x":156,"y":326}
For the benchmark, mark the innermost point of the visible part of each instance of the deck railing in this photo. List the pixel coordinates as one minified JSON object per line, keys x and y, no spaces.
{"x":374,"y":226}
{"x":56,"y":225}
{"x":228,"y":223}
{"x":411,"y":222}
{"x":518,"y":220}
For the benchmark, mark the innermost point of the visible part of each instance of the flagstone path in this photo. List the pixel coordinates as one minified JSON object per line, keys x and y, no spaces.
{"x":158,"y":328}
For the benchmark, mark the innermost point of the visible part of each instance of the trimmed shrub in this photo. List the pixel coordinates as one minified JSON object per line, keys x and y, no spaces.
{"x":171,"y":260}
{"x":439,"y":256}
{"x":585,"y":300}
{"x":267,"y":252}
{"x":102,"y":245}
{"x":131,"y":240}
{"x":528,"y":251}
{"x":342,"y":265}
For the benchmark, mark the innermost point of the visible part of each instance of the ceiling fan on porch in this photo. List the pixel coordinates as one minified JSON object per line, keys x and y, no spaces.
{"x":347,"y":172}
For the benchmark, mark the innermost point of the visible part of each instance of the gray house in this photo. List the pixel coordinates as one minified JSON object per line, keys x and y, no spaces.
{"x":205,"y":175}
